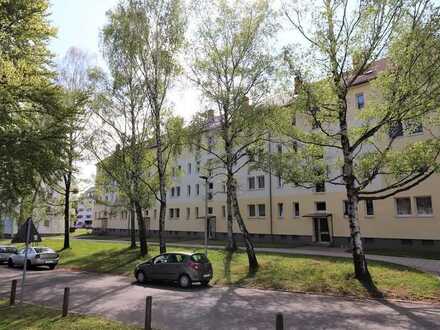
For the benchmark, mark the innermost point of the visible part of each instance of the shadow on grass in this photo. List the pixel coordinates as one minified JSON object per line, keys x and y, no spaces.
{"x":109,"y":261}
{"x":371,"y":287}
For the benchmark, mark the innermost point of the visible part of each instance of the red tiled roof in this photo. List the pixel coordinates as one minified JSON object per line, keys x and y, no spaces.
{"x":371,"y":72}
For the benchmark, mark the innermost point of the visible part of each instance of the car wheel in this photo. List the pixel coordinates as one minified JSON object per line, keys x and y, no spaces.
{"x":141,"y":277}
{"x":184,"y":281}
{"x":52,"y":267}
{"x":10,"y":263}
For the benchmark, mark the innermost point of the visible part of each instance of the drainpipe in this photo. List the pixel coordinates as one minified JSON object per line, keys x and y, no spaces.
{"x":270,"y":188}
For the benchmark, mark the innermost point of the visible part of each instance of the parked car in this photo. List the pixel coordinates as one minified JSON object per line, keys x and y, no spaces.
{"x":185,"y":268}
{"x":6,"y":252}
{"x":37,"y":256}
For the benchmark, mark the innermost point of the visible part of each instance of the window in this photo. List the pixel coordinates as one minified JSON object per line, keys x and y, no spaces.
{"x":211,"y":185}
{"x":251,"y":210}
{"x":260,"y":181}
{"x":188,"y":213}
{"x":396,"y":129}
{"x":179,"y":169}
{"x":210,"y":210}
{"x":224,"y":211}
{"x":413,"y":127}
{"x":173,"y":170}
{"x":279,"y":148}
{"x":424,"y":205}
{"x":173,"y":191}
{"x":155,"y":213}
{"x":171,"y":211}
{"x":197,"y":212}
{"x":321,"y":206}
{"x":320,"y":187}
{"x":360,"y":101}
{"x":189,"y":168}
{"x":280,"y":181}
{"x":280,"y":210}
{"x":197,"y":189}
{"x":369,"y":207}
{"x":262,"y":210}
{"x":177,"y":211}
{"x":188,"y":190}
{"x":345,"y":208}
{"x":251,"y":183}
{"x":198,"y":166}
{"x":296,"y":209}
{"x":403,"y":206}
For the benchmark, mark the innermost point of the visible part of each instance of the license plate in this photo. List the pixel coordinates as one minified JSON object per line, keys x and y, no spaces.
{"x":207,"y":275}
{"x":49,"y":261}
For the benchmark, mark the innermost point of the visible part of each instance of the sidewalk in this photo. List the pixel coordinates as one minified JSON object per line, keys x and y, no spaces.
{"x":425,"y":265}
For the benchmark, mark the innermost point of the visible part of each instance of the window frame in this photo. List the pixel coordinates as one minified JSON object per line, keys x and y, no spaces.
{"x":428,"y":215}
{"x":397,"y":209}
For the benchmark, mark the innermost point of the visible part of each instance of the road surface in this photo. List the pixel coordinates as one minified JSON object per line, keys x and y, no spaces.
{"x":119,"y":298}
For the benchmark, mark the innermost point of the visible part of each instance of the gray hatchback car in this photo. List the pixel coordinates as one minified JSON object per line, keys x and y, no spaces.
{"x":185,"y":268}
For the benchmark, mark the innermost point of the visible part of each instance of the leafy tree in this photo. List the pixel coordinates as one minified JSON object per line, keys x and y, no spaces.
{"x":32,"y":118}
{"x":76,"y":77}
{"x":395,"y":42}
{"x":232,"y":66}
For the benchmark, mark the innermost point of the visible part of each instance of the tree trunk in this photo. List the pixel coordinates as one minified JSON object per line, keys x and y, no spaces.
{"x":359,"y":261}
{"x":162,"y":215}
{"x":252,"y":258}
{"x":67,"y":184}
{"x":162,"y":191}
{"x":232,"y":244}
{"x":141,"y":229}
{"x":132,"y":227}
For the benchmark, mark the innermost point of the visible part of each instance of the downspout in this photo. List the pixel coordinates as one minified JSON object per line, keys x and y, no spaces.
{"x":270,"y":188}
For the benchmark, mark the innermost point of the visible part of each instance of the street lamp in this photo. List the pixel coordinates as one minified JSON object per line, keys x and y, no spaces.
{"x":203,"y":177}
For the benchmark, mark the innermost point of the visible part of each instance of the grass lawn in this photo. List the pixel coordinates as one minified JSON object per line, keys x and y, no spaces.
{"x":37,"y":317}
{"x":294,"y":273}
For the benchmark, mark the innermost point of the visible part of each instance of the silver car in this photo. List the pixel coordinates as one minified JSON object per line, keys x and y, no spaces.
{"x":6,"y":252}
{"x":185,"y":268}
{"x":36,"y":256}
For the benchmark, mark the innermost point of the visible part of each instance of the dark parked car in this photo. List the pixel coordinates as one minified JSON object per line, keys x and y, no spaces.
{"x":185,"y":268}
{"x":6,"y":252}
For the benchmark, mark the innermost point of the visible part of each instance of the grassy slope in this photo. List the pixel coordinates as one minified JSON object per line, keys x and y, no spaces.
{"x":295,"y":273}
{"x":37,"y":317}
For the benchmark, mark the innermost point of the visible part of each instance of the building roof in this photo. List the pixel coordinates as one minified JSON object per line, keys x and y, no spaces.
{"x":373,"y":69}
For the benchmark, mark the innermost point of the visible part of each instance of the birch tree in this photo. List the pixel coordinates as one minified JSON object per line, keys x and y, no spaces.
{"x":232,"y":66}
{"x":395,"y":46}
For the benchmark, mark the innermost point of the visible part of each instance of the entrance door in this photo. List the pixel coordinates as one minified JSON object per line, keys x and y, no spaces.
{"x":322,"y":231}
{"x":211,"y":227}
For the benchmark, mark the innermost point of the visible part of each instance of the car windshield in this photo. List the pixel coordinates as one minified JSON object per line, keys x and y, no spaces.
{"x":199,"y":257}
{"x":43,"y":250}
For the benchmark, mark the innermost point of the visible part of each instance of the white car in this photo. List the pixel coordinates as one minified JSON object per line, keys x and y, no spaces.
{"x":36,"y":256}
{"x":6,"y":252}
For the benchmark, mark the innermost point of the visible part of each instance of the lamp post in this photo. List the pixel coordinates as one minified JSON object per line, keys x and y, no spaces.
{"x":206,"y":212}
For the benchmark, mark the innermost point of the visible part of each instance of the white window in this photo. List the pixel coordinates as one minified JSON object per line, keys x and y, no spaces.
{"x":251,"y":210}
{"x":210,"y":210}
{"x":424,"y":205}
{"x":260,"y":181}
{"x":369,"y":207}
{"x":173,"y":191}
{"x":188,"y":190}
{"x":261,"y":210}
{"x":295,"y":209}
{"x":321,"y":206}
{"x":188,"y":213}
{"x":197,"y":212}
{"x":198,"y":166}
{"x":360,"y":101}
{"x":197,"y":189}
{"x":224,"y":211}
{"x":189,"y":168}
{"x":171,"y":213}
{"x":345,"y":207}
{"x":403,"y":206}
{"x":251,"y":183}
{"x":178,"y":191}
{"x":177,"y":211}
{"x":280,"y":210}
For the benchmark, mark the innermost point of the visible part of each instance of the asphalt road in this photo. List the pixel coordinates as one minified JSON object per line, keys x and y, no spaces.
{"x":119,"y":298}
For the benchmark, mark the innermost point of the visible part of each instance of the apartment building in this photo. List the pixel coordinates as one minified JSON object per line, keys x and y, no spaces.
{"x":85,"y":209}
{"x":275,"y":211}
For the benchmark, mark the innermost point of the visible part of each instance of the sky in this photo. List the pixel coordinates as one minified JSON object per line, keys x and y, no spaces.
{"x":79,"y":23}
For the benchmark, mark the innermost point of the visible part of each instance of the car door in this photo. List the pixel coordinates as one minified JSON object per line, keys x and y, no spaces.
{"x":19,"y":257}
{"x":171,"y":267}
{"x":157,"y":267}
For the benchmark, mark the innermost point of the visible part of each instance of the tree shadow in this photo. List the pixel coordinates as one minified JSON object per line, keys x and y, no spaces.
{"x":371,"y":287}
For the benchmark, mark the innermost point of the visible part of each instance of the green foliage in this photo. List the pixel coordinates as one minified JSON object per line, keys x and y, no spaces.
{"x":32,"y":118}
